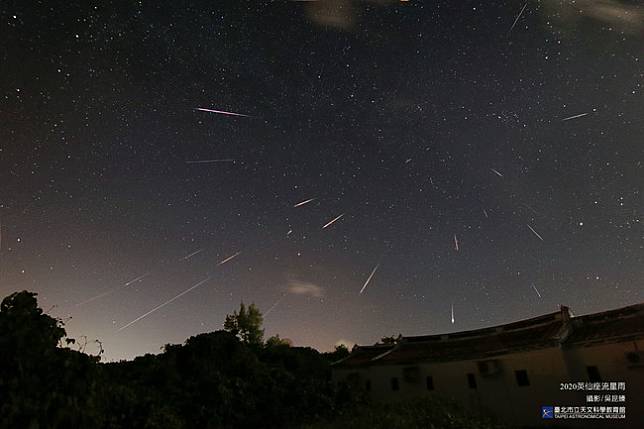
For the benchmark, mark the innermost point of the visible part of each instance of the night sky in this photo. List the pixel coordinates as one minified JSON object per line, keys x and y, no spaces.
{"x":483,"y":159}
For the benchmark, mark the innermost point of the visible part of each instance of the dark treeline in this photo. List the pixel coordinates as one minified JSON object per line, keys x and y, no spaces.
{"x":223,"y":379}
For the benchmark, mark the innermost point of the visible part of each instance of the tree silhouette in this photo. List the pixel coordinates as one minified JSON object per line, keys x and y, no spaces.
{"x":246,"y":324}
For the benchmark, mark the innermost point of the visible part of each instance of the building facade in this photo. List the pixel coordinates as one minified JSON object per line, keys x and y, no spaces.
{"x":511,"y":371}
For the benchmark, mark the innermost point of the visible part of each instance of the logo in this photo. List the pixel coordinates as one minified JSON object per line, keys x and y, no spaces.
{"x":547,"y":412}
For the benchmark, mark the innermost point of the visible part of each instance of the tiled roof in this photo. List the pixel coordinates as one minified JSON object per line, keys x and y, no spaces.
{"x":622,"y":324}
{"x":363,"y":355}
{"x":550,"y":330}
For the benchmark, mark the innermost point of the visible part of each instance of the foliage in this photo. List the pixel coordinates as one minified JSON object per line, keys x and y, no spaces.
{"x":341,"y":351}
{"x":423,"y":413}
{"x":223,"y":379}
{"x":391,"y":339}
{"x":246,"y":324}
{"x":42,"y":385}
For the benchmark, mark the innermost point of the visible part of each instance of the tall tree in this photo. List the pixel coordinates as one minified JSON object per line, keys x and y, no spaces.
{"x":246,"y":324}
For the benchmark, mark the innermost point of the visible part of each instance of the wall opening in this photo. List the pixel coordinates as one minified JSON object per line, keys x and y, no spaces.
{"x":522,"y":377}
{"x":429,"y":382}
{"x":471,"y":381}
{"x":395,"y":384}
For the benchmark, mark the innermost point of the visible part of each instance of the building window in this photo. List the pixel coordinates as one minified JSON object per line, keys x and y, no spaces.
{"x":471,"y":381}
{"x":593,"y":374}
{"x":395,"y":385}
{"x":367,"y":385}
{"x":429,"y":382}
{"x":522,"y":377}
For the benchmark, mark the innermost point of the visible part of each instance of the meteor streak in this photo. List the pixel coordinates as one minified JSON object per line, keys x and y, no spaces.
{"x":304,"y":202}
{"x":209,"y":161}
{"x":496,"y":172}
{"x":369,"y":279}
{"x":141,"y":277}
{"x":114,"y":289}
{"x":535,"y":232}
{"x":452,"y":314}
{"x":229,"y":258}
{"x":455,"y":243}
{"x":275,"y":304}
{"x":221,"y":112}
{"x":517,"y":18}
{"x":332,"y":221}
{"x":185,"y":258}
{"x":535,"y":289}
{"x":87,"y":301}
{"x":158,"y":307}
{"x":574,"y":117}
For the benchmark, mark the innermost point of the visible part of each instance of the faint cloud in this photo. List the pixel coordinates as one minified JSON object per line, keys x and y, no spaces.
{"x":339,"y":14}
{"x":622,"y":16}
{"x":298,"y":287}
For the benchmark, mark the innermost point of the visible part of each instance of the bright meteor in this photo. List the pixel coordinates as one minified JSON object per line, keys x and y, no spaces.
{"x":158,"y":307}
{"x":221,"y":112}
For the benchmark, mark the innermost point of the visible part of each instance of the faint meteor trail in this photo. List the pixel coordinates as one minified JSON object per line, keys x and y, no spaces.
{"x":305,"y":202}
{"x":141,"y":277}
{"x":289,"y":232}
{"x":209,"y":161}
{"x":369,"y":279}
{"x":275,"y":304}
{"x":221,"y":112}
{"x":517,"y":18}
{"x":164,"y":304}
{"x":331,"y":222}
{"x":574,"y":117}
{"x":485,"y":213}
{"x":535,"y":289}
{"x":535,"y":232}
{"x":185,"y":258}
{"x":114,"y":289}
{"x":229,"y":258}
{"x":496,"y":172}
{"x":452,"y":314}
{"x":94,"y":298}
{"x":455,"y":243}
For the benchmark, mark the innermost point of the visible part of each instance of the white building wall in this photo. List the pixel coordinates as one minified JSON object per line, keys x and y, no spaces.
{"x":500,"y":395}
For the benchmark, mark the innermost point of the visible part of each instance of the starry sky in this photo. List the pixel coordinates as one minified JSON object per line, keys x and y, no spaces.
{"x":482,"y":160}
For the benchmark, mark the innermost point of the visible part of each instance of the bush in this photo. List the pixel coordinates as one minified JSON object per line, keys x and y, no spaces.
{"x":424,"y":413}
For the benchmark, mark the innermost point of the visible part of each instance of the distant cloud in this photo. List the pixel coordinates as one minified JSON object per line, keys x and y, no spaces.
{"x":621,"y":15}
{"x":298,"y":287}
{"x":339,"y":14}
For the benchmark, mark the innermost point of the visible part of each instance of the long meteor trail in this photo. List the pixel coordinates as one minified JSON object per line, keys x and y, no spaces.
{"x":114,"y":289}
{"x":331,"y":222}
{"x":158,"y":307}
{"x":535,"y":232}
{"x":369,"y":279}
{"x":221,"y":112}
{"x":574,"y":117}
{"x":209,"y":161}
{"x":231,"y":257}
{"x":517,"y":18}
{"x":185,"y":258}
{"x":305,"y":202}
